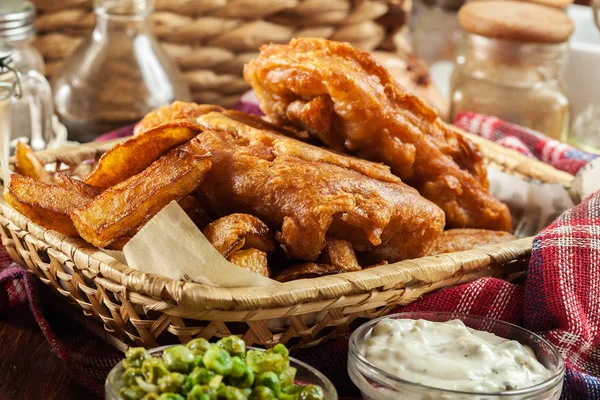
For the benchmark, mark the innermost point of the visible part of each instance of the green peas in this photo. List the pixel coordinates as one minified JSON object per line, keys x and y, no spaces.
{"x":287,"y":377}
{"x":170,"y":396}
{"x":203,"y":376}
{"x":171,"y":383}
{"x":218,"y":360}
{"x":230,"y":393}
{"x":129,"y":375}
{"x":263,"y":361}
{"x":312,"y":392}
{"x":241,"y":376}
{"x":202,"y":392}
{"x":151,"y":396}
{"x":281,"y":349}
{"x":178,"y":359}
{"x":134,"y":357}
{"x":262,"y":393}
{"x":198,"y":346}
{"x":233,"y":345}
{"x":271,"y":380}
{"x":153,"y":369}
{"x":198,"y":362}
{"x":131,"y":393}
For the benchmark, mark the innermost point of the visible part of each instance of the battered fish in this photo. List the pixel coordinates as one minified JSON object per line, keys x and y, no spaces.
{"x":305,"y":193}
{"x":454,"y":240}
{"x":344,"y":98}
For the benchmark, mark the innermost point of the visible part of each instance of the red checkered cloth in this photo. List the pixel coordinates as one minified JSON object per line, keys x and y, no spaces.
{"x":559,"y":300}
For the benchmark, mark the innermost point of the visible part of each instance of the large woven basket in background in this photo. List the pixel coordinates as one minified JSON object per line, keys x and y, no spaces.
{"x":128,"y":307}
{"x":212,"y":39}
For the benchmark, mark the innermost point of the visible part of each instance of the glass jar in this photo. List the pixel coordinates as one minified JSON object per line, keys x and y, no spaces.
{"x":31,"y":111}
{"x":517,"y":82}
{"x":376,"y":384}
{"x":117,"y":75}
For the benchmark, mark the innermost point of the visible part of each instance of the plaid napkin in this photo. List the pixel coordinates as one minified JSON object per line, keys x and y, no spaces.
{"x":559,"y":300}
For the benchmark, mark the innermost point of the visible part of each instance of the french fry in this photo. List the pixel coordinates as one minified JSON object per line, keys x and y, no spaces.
{"x":29,"y":165}
{"x":133,"y":156}
{"x":44,"y":204}
{"x":307,"y":270}
{"x":123,"y":207}
{"x":252,"y":260}
{"x":68,"y":182}
{"x":234,"y":231}
{"x":340,"y":253}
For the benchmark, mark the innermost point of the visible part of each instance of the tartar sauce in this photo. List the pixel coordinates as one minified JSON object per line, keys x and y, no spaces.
{"x":452,"y":356}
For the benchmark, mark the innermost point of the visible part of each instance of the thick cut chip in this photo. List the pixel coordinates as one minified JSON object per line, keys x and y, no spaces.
{"x":71,"y":183}
{"x":29,"y":165}
{"x":121,"y":208}
{"x":465,"y":239}
{"x":133,"y":156}
{"x":236,"y":231}
{"x":44,"y":204}
{"x":307,"y":270}
{"x":176,"y":112}
{"x":252,"y":260}
{"x":340,"y":253}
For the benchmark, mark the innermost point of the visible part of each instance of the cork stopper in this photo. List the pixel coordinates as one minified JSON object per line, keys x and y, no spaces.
{"x":516,"y":21}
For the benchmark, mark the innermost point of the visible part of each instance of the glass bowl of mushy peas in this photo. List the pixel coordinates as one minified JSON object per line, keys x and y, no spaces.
{"x":450,"y":356}
{"x":226,"y":370}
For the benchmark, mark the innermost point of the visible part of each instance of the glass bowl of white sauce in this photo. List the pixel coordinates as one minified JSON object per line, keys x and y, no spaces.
{"x":441,"y":355}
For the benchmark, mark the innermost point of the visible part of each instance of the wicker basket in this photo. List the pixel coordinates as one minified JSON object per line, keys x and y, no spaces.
{"x":212,"y":39}
{"x":134,"y":308}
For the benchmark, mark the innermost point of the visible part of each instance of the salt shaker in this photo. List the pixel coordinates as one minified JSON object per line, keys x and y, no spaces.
{"x":117,"y":75}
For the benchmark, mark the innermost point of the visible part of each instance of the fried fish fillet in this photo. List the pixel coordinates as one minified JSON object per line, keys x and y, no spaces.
{"x":306,"y":193}
{"x":46,"y":205}
{"x":176,"y":112}
{"x":123,"y":207}
{"x":27,"y":164}
{"x":465,"y":239}
{"x":343,"y":97}
{"x":131,"y":157}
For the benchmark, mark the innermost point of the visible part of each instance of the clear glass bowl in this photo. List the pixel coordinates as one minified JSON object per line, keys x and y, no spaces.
{"x":305,"y":375}
{"x":376,"y":384}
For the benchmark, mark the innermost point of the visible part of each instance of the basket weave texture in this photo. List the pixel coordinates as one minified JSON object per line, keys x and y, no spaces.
{"x":212,"y":39}
{"x":128,"y":307}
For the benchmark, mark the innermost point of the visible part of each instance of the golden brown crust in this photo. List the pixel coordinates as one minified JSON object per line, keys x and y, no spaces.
{"x":46,"y":205}
{"x":516,"y":21}
{"x":238,"y":231}
{"x":177,"y":112}
{"x":305,"y":193}
{"x":133,"y":156}
{"x":125,"y":206}
{"x":27,"y":164}
{"x":377,"y":119}
{"x":306,"y":271}
{"x":252,"y":260}
{"x":454,"y":240}
{"x":340,"y":254}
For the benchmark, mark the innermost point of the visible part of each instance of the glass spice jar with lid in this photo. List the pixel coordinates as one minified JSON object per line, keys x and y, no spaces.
{"x":117,"y":75}
{"x":17,"y":28}
{"x":510,"y":64}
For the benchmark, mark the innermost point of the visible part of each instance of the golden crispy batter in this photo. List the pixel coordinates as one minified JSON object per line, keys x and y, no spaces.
{"x":465,"y":239}
{"x":176,"y":112}
{"x":71,"y":183}
{"x":259,"y":123}
{"x":307,"y":193}
{"x":131,"y":157}
{"x":339,"y":253}
{"x":306,"y":271}
{"x":237,"y":231}
{"x":27,"y":164}
{"x":44,"y":204}
{"x":123,"y":207}
{"x":251,"y":259}
{"x":347,"y":100}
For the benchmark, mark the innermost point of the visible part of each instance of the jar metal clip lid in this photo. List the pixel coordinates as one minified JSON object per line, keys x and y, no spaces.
{"x":8,"y":87}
